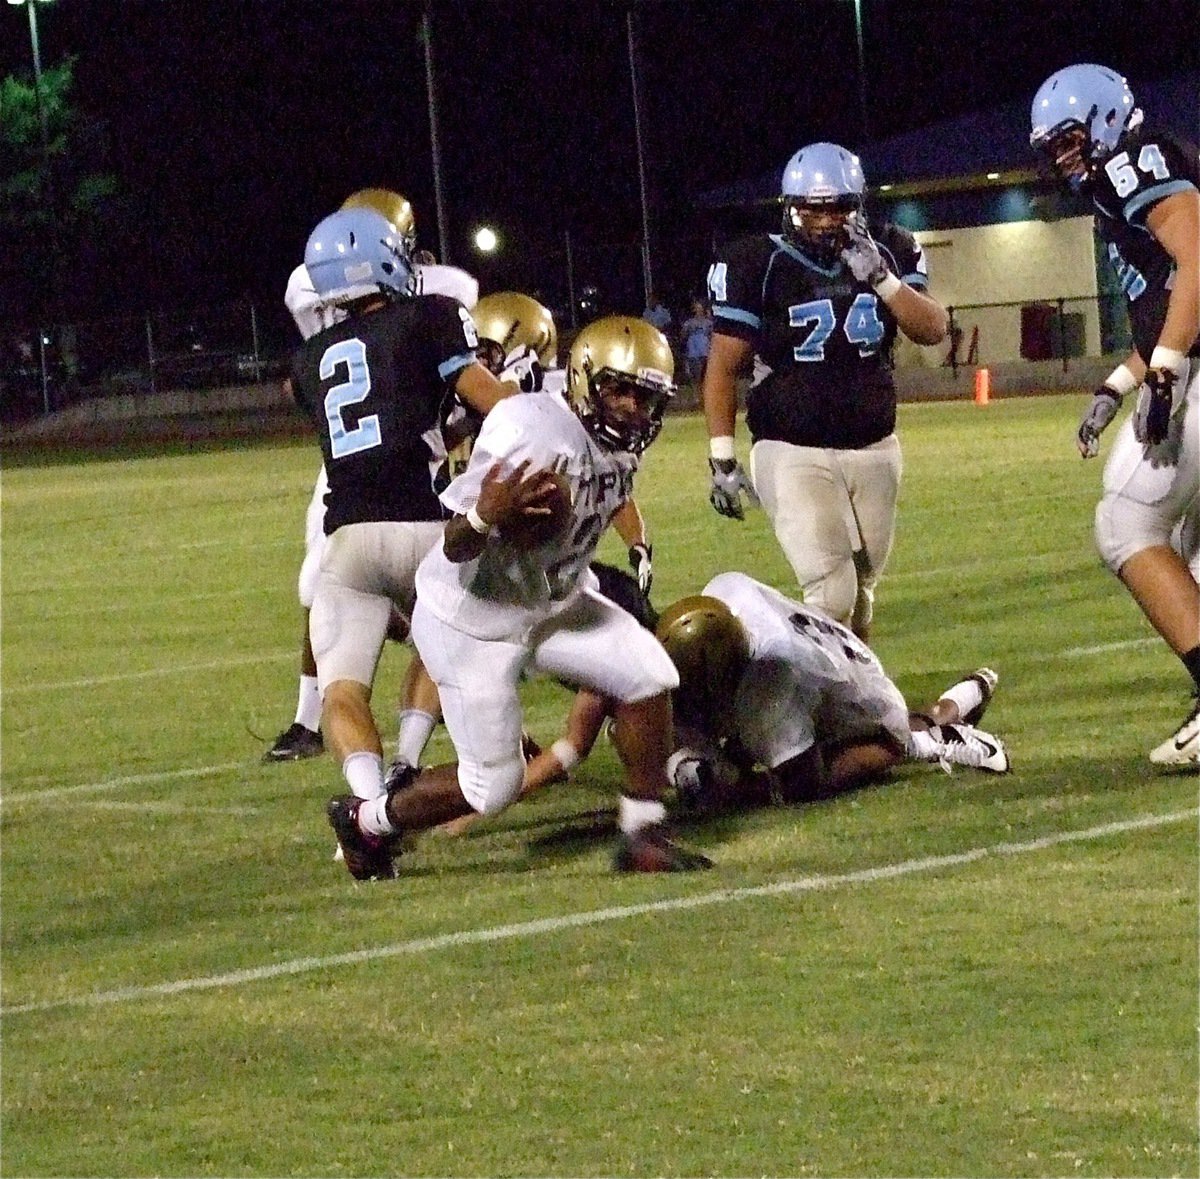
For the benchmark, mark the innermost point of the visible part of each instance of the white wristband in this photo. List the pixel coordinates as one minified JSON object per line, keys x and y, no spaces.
{"x":566,"y":754}
{"x":721,"y":447}
{"x":477,"y":522}
{"x":1167,"y":358}
{"x":887,"y":286}
{"x":1121,"y":381}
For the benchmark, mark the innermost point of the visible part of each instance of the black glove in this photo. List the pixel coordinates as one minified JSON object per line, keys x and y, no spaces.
{"x":1105,"y":403}
{"x":523,"y":369}
{"x":1152,"y":416}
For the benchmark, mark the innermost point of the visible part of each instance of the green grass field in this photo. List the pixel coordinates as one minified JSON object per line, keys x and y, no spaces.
{"x":946,"y":975}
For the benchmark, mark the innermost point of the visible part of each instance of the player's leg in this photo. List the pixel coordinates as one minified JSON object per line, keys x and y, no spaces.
{"x":303,"y":737}
{"x":1143,"y":504}
{"x":807,"y":504}
{"x":576,"y":646}
{"x":872,"y":476}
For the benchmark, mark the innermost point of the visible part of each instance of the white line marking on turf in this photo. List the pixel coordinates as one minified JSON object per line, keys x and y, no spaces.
{"x":466,"y":937}
{"x":175,"y":669}
{"x":166,"y":808}
{"x":1105,"y":648}
{"x":120,"y":783}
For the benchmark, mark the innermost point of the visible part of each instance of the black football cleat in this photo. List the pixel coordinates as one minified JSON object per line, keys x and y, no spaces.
{"x":650,"y":849}
{"x":987,"y":680}
{"x":367,"y":857}
{"x":399,"y":776}
{"x":294,"y":744}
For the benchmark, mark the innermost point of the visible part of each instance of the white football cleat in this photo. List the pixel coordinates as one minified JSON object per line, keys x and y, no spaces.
{"x":963,"y":745}
{"x":1182,"y":748}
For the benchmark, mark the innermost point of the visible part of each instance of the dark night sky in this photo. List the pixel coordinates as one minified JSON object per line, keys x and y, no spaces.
{"x":241,"y":124}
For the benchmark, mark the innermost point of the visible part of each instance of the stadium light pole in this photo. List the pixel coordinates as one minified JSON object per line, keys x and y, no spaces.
{"x":647,"y":271}
{"x":862,"y":71}
{"x":31,"y":5}
{"x":434,"y":143}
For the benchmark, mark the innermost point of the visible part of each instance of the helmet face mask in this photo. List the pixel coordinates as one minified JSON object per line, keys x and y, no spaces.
{"x":710,"y":650}
{"x":355,"y":254}
{"x":619,"y":381}
{"x":1078,"y":115}
{"x":823,"y":188}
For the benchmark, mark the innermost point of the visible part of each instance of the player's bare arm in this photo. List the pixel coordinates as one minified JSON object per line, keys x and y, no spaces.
{"x":476,"y":386}
{"x":921,"y":318}
{"x":1175,"y":223}
{"x":727,"y":356}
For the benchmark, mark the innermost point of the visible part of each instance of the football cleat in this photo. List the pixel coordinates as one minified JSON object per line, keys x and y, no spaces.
{"x":294,"y":744}
{"x":399,"y":775}
{"x":367,"y":857}
{"x":1182,"y":748}
{"x":649,"y":849}
{"x":986,"y":679}
{"x":963,"y":745}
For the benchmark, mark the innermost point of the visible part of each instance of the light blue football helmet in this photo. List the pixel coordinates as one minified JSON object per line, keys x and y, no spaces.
{"x":1086,"y":97}
{"x":354,"y":253}
{"x":821,"y":178}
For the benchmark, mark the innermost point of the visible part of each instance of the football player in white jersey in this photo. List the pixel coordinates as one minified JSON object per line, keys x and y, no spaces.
{"x":490,"y":608}
{"x":778,"y":702}
{"x":1144,"y":185}
{"x":417,"y":714}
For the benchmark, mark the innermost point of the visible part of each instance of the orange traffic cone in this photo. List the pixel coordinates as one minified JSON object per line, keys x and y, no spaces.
{"x":983,"y":386}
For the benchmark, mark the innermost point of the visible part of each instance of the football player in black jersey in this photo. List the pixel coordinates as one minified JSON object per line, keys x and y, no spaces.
{"x":817,"y":308}
{"x":1144,"y":185}
{"x":376,"y":384}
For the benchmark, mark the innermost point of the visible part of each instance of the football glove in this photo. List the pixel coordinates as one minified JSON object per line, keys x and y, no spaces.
{"x":523,"y":369}
{"x":640,"y":562}
{"x":1105,"y":403}
{"x":728,"y":483}
{"x":1152,"y":416}
{"x":861,"y":255}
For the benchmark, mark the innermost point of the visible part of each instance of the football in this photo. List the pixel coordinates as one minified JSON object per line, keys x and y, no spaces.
{"x":542,"y":523}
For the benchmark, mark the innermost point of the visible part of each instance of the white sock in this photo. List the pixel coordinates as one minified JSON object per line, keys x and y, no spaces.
{"x":364,"y":774}
{"x":372,"y":817}
{"x":637,"y":813}
{"x":416,"y":727}
{"x":923,"y":746}
{"x":308,"y":703}
{"x":967,"y":694}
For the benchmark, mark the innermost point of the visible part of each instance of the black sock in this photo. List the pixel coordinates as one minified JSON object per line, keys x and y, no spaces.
{"x":1191,"y":660}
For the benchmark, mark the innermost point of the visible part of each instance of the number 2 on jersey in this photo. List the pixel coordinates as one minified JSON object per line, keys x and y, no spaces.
{"x":862,"y":326}
{"x":353,"y":354}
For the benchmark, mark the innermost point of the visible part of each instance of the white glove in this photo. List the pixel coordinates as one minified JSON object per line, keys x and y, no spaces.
{"x":861,"y":255}
{"x":728,"y":483}
{"x":523,"y":369}
{"x":1100,"y":413}
{"x":640,"y":562}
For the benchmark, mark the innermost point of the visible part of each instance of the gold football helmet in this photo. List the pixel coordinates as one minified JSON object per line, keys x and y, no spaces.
{"x":613,"y":357}
{"x":390,"y":205}
{"x":710,"y":650}
{"x":510,"y":319}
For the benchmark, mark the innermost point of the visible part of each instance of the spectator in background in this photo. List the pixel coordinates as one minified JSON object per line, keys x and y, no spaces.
{"x":696,"y":333}
{"x":658,"y":314}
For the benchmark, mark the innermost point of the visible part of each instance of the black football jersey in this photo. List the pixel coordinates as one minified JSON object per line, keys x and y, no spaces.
{"x":376,"y":386}
{"x":826,"y":337}
{"x":1147,"y":166}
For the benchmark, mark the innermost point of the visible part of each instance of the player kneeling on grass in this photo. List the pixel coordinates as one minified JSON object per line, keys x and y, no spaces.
{"x":778,"y":702}
{"x":506,"y":592}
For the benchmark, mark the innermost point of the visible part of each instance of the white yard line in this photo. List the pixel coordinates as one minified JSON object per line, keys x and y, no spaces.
{"x":10,"y":799}
{"x":173,"y":669}
{"x":552,"y":925}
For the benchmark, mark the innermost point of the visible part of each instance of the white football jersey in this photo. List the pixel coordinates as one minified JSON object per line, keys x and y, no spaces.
{"x":810,"y":679}
{"x":436,"y":279}
{"x":504,"y":593}
{"x":302,"y":300}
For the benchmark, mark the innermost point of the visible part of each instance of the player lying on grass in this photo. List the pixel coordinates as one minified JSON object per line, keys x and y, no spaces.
{"x":777,"y":702}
